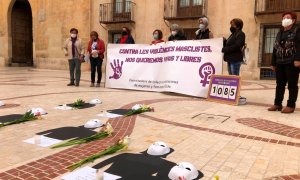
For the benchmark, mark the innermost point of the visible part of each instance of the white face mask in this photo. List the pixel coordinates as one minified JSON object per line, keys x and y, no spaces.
{"x":201,"y":26}
{"x":73,"y":35}
{"x":183,"y":170}
{"x":174,"y":33}
{"x":287,"y":22}
{"x":159,"y":148}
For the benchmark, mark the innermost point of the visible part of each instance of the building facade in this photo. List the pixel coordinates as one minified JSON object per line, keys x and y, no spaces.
{"x":32,"y":31}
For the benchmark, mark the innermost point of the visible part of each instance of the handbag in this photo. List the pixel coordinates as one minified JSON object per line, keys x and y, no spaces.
{"x":245,"y":51}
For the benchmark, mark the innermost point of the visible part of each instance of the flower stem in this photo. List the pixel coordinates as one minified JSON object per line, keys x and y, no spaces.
{"x":91,"y":158}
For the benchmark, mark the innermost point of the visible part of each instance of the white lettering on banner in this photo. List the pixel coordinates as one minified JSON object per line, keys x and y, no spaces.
{"x":177,"y":66}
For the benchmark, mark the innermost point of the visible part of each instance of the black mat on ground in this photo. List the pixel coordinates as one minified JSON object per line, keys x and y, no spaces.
{"x":65,"y":133}
{"x":139,"y":166}
{"x":119,"y":111}
{"x":84,"y":106}
{"x":9,"y":118}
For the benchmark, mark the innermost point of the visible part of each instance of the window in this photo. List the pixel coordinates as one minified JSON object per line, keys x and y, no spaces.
{"x":113,"y":36}
{"x":189,"y":8}
{"x":197,"y":2}
{"x":186,"y":3}
{"x":122,"y":6}
{"x":269,"y":39}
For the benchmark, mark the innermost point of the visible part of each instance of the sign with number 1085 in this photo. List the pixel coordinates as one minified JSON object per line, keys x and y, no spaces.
{"x":228,"y":92}
{"x":224,"y":89}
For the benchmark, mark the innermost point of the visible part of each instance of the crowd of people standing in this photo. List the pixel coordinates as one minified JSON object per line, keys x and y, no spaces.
{"x":285,"y":59}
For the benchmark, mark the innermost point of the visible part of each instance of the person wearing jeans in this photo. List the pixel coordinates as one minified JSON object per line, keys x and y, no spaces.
{"x":234,"y":68}
{"x":232,"y":50}
{"x":286,"y":63}
{"x":74,"y":50}
{"x":96,"y":49}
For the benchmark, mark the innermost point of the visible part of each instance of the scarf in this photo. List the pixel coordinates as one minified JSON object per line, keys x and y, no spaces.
{"x":73,"y":46}
{"x":123,"y":39}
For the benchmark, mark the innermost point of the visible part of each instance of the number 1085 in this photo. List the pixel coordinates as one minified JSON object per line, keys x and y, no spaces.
{"x":223,"y":91}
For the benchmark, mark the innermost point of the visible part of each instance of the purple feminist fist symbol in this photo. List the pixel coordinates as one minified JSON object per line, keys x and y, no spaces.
{"x":205,"y":71}
{"x":117,"y":68}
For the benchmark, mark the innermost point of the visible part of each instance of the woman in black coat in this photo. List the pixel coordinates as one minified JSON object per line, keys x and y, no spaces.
{"x":126,"y":37}
{"x":232,"y":49}
{"x":286,"y":63}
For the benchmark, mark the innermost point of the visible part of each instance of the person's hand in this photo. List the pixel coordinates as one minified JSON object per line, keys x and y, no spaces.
{"x":273,"y":68}
{"x":297,"y":63}
{"x":94,"y":52}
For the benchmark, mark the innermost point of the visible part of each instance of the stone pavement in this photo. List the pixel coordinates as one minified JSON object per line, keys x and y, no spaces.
{"x":233,"y":142}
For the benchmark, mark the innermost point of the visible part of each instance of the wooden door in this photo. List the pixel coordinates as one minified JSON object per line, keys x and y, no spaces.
{"x":189,"y":8}
{"x":21,"y":23}
{"x":190,"y":33}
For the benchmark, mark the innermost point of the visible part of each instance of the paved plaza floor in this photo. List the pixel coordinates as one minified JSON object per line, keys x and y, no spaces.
{"x":231,"y":142}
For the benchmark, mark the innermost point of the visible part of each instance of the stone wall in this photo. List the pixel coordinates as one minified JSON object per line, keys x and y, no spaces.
{"x":52,"y":20}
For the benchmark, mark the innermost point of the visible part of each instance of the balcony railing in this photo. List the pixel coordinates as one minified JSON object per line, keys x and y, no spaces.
{"x":121,"y":12}
{"x":183,"y":9}
{"x":276,"y":6}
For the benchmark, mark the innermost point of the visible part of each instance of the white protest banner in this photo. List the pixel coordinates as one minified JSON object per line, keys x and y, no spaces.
{"x":176,"y":66}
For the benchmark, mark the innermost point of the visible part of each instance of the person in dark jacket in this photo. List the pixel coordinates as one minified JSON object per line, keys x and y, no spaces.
{"x":203,"y":32}
{"x":286,"y":63}
{"x":176,"y":33}
{"x":126,"y":37}
{"x":96,"y":49}
{"x":232,"y":49}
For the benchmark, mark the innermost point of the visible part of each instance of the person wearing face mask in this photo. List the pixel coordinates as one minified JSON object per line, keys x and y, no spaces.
{"x":286,"y":63}
{"x":233,"y":54}
{"x":157,"y":36}
{"x":96,"y":49}
{"x":74,"y":50}
{"x":126,"y":37}
{"x":176,"y":33}
{"x":203,"y":32}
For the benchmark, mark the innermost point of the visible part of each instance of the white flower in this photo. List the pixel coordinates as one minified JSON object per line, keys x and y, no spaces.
{"x":137,"y":106}
{"x":125,"y":141}
{"x":38,"y":111}
{"x":109,"y":129}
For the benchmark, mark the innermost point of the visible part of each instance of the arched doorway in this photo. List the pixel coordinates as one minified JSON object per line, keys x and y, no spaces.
{"x":21,"y":33}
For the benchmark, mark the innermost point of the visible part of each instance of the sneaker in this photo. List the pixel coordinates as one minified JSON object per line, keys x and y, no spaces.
{"x":98,"y":85}
{"x":242,"y":100}
{"x":92,"y":85}
{"x":70,"y":84}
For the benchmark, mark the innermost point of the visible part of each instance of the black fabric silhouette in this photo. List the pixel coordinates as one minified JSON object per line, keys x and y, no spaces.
{"x":9,"y":118}
{"x":139,"y":166}
{"x":65,"y":133}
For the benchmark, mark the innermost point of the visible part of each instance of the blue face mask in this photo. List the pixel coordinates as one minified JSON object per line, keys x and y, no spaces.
{"x":201,"y":26}
{"x":155,"y":36}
